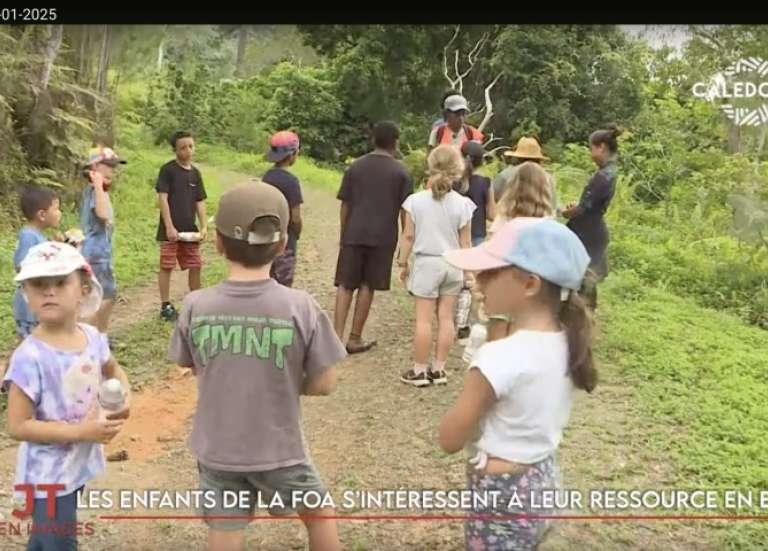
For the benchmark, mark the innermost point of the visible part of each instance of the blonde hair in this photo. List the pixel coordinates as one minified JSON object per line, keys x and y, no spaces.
{"x":446,"y":166}
{"x":528,"y":193}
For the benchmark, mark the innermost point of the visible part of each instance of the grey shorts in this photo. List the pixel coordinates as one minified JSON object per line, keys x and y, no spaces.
{"x":289,"y":482}
{"x":433,"y":277}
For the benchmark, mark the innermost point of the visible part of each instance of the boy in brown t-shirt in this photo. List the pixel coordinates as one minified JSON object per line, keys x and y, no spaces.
{"x":255,"y":346}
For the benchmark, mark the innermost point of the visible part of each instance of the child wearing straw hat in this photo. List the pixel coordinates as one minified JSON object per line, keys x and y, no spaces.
{"x":528,"y":149}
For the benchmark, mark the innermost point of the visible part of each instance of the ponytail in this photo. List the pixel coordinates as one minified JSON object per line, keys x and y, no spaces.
{"x":577,"y":321}
{"x":446,"y":167}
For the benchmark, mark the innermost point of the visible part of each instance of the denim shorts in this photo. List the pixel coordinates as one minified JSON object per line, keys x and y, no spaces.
{"x":106,"y":277}
{"x":289,"y":482}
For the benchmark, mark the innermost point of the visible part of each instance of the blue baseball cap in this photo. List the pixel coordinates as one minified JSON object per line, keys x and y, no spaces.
{"x":538,"y":245}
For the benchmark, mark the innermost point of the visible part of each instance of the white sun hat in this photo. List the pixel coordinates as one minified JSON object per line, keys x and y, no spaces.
{"x":51,"y":259}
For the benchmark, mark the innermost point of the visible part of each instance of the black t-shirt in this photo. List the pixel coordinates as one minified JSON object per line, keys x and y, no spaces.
{"x":185,"y":189}
{"x":289,"y":186}
{"x":479,"y":189}
{"x":374,"y":187}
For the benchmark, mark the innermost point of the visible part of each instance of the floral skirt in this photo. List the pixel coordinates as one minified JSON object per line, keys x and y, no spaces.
{"x":510,"y":534}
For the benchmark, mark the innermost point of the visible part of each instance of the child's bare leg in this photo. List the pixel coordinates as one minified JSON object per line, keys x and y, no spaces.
{"x":422,"y":335}
{"x":164,"y":283}
{"x":446,"y":305}
{"x":101,"y":320}
{"x":194,"y":279}
{"x":226,"y":540}
{"x":322,"y":533}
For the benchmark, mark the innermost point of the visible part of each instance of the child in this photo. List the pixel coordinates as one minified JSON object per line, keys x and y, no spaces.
{"x":97,"y":222}
{"x":480,"y":191}
{"x":40,"y":207}
{"x":53,"y":380}
{"x":518,"y":392}
{"x":181,"y":196}
{"x":255,"y":346}
{"x":437,"y":221}
{"x":284,"y":150}
{"x":528,"y":194}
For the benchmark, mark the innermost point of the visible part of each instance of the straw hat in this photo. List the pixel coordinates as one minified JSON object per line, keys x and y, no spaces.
{"x":527,"y":148}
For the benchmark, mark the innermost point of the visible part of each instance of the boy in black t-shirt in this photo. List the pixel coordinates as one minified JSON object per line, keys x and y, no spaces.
{"x":181,"y":195}
{"x":283,"y":151}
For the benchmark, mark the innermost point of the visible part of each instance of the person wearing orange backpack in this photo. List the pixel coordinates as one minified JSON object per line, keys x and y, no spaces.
{"x":454,"y":131}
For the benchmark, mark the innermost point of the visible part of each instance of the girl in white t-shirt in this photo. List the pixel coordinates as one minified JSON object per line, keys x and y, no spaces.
{"x":517,"y":395}
{"x":438,"y":221}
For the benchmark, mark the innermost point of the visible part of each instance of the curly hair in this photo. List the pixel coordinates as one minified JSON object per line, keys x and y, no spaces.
{"x":528,"y":193}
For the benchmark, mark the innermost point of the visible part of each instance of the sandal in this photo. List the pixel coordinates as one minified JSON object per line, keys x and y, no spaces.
{"x":359,"y":347}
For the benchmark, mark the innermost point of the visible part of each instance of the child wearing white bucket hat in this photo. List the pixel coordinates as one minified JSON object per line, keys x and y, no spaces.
{"x":517,"y":395}
{"x":53,"y":381}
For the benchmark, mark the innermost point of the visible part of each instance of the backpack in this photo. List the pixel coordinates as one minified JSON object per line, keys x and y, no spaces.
{"x":441,"y":133}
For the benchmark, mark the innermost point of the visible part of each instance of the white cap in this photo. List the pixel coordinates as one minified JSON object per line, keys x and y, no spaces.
{"x":456,"y":103}
{"x":51,"y":259}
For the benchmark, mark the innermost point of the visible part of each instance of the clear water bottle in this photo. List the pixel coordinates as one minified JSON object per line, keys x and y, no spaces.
{"x":463,"y":308}
{"x":111,"y":397}
{"x":477,"y":337}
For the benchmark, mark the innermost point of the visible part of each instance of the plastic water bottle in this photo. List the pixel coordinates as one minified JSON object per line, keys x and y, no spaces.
{"x":463,"y":307}
{"x":477,"y":337}
{"x":111,"y":397}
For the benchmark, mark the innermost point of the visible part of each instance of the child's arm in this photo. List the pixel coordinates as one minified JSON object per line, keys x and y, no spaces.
{"x":407,"y":239}
{"x":490,"y":205}
{"x":113,"y":370}
{"x":343,"y":214}
{"x":165,"y":211}
{"x":460,"y":422}
{"x":297,"y":223}
{"x":100,"y":197}
{"x":202,"y":219}
{"x":320,"y":385}
{"x":23,"y":426}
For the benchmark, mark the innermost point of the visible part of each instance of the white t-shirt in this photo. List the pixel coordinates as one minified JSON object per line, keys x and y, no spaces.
{"x":529,"y":375}
{"x":438,"y":222}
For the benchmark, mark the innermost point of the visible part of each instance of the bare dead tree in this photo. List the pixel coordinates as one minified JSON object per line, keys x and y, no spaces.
{"x":50,"y":51}
{"x":457,"y":80}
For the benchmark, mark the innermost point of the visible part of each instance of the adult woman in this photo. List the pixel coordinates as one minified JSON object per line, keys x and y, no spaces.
{"x":586,"y":218}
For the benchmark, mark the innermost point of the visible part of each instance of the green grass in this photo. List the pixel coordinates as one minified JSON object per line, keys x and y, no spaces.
{"x":700,"y":374}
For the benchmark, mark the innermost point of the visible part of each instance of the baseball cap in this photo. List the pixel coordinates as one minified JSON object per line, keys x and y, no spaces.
{"x":472,"y":149}
{"x":456,"y":103}
{"x":538,"y":245}
{"x":282,"y":144}
{"x":244,"y":205}
{"x":51,"y":259}
{"x":103,"y":155}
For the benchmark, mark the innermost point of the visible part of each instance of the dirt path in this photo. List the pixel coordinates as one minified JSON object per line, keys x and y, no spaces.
{"x":375,"y":433}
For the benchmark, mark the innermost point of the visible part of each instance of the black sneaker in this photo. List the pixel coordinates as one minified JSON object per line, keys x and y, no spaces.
{"x":437,"y":377}
{"x":169,"y":313}
{"x":412,"y":378}
{"x":464,"y":332}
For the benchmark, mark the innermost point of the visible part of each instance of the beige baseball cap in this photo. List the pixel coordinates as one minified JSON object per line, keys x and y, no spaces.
{"x":244,"y":209}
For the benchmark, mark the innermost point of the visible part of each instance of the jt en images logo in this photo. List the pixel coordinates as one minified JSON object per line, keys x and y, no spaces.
{"x":49,"y":524}
{"x":744,"y":86}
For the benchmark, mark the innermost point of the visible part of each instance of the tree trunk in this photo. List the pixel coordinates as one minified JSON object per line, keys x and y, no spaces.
{"x":83,"y":60}
{"x":734,"y":138}
{"x":160,"y":54}
{"x":242,"y":43}
{"x":760,"y":147}
{"x":50,"y":52}
{"x":101,"y":78}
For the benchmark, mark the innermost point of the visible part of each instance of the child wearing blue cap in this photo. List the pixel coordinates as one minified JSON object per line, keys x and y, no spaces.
{"x":517,"y":394}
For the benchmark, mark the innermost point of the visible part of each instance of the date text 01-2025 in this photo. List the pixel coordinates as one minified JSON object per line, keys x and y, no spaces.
{"x":28,"y":15}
